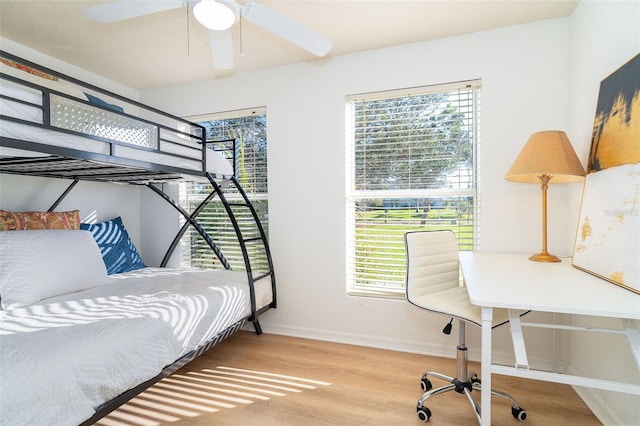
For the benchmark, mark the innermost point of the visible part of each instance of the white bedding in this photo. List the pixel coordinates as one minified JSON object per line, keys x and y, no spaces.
{"x":189,"y":153}
{"x":64,"y":356}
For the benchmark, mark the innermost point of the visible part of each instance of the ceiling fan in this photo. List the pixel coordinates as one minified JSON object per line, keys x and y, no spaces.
{"x":218,"y":16}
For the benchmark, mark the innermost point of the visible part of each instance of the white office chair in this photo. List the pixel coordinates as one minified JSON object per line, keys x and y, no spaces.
{"x":434,"y":284}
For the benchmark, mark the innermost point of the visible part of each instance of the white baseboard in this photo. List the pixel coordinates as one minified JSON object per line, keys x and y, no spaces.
{"x":400,"y":345}
{"x":379,"y":342}
{"x":597,"y":406}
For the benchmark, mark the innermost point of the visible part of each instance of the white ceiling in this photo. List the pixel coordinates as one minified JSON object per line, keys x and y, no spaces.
{"x":172,"y":47}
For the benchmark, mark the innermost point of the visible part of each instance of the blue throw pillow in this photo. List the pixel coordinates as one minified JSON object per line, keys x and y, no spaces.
{"x":101,"y":102}
{"x":118,"y":252}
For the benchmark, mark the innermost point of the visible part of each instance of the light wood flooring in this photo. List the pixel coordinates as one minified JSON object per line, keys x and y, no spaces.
{"x":278,"y":380}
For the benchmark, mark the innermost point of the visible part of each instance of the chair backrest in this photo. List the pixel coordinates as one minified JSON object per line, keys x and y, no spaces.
{"x":432,"y":262}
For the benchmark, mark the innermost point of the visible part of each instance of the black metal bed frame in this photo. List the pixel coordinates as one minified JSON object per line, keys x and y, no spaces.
{"x":67,"y":163}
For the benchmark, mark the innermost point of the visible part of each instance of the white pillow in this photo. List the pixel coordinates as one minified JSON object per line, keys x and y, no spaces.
{"x":35,"y":265}
{"x":217,"y":164}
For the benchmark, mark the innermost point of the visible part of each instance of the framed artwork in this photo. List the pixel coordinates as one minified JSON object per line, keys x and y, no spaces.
{"x":608,"y":237}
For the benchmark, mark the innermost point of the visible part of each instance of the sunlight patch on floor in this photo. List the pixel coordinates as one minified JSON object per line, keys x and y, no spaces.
{"x":205,"y":391}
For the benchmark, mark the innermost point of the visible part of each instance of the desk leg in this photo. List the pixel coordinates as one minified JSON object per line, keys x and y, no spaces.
{"x":633,"y":337}
{"x":485,"y":402}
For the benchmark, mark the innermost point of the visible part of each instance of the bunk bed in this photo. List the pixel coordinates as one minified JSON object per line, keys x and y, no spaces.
{"x":142,"y":324}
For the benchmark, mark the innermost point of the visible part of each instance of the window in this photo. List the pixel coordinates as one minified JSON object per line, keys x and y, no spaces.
{"x":249,"y":128}
{"x":411,"y":159}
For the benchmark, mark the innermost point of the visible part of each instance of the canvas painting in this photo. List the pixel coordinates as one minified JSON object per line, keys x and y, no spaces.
{"x":608,"y":237}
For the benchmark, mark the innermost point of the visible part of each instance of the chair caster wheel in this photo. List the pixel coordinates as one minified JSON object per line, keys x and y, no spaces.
{"x":519,"y":413}
{"x":424,"y":414}
{"x":425,"y":384}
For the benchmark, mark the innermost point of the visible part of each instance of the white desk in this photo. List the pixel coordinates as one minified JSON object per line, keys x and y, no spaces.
{"x":511,"y":281}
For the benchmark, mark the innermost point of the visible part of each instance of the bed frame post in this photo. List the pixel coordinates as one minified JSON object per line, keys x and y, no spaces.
{"x":257,"y":327}
{"x":63,"y":195}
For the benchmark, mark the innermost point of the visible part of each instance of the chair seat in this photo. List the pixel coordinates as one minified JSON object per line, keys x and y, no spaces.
{"x":455,"y":302}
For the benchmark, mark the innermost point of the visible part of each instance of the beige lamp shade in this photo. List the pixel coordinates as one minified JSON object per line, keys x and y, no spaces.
{"x":547,"y":153}
{"x":547,"y":157}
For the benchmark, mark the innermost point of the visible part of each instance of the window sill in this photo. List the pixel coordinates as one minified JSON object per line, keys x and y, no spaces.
{"x":396,"y":294}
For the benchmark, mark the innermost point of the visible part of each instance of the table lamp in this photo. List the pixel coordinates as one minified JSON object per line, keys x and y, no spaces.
{"x":547,"y":157}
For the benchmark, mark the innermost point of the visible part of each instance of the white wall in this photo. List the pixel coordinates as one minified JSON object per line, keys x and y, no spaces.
{"x":159,"y":224}
{"x":524,"y":72}
{"x":604,"y":35}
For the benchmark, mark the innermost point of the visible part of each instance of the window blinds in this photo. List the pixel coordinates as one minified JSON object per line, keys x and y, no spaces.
{"x":248,"y":127}
{"x":412,"y":165}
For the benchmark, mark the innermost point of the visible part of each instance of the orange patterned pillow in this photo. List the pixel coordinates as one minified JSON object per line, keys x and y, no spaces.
{"x":20,"y":221}
{"x":28,"y":69}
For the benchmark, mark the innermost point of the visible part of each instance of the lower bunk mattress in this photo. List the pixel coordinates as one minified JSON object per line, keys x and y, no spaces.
{"x":63,"y":357}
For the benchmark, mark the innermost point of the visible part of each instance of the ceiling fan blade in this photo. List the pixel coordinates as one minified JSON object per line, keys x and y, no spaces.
{"x":286,"y":28}
{"x":221,"y":45}
{"x":126,"y":9}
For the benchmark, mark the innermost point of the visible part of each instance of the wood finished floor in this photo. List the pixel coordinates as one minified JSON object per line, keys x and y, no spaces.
{"x":278,"y":380}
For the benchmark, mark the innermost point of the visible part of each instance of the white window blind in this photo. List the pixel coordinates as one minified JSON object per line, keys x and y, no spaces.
{"x":411,"y":158}
{"x":249,"y":129}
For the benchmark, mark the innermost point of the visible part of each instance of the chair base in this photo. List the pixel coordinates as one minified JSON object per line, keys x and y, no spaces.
{"x":462,"y":387}
{"x":464,"y":383}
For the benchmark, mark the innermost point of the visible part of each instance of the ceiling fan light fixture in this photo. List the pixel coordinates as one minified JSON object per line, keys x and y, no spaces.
{"x":216,"y":15}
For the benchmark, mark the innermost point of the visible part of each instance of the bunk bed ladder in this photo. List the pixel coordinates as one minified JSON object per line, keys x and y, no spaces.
{"x":253,"y":275}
